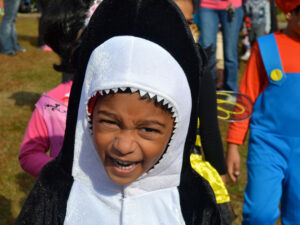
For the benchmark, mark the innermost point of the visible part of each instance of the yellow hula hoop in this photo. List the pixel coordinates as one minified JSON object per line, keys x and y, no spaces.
{"x":228,"y":101}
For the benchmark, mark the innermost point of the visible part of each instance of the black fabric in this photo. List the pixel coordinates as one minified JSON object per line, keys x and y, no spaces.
{"x":47,"y":202}
{"x":158,"y":21}
{"x":227,"y":213}
{"x":197,"y":200}
{"x":209,"y":128}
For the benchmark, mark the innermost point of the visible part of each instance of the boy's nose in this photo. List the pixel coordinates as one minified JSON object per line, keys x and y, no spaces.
{"x":125,"y":143}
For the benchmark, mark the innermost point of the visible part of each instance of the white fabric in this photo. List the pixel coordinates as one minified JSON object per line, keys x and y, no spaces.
{"x":127,"y":61}
{"x":135,"y":210}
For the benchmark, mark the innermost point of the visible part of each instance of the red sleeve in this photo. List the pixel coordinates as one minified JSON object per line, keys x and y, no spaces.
{"x":35,"y":145}
{"x":253,"y":83}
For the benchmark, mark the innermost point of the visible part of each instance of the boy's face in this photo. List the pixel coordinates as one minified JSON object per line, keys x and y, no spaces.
{"x":130,"y":134}
{"x":187,"y":8}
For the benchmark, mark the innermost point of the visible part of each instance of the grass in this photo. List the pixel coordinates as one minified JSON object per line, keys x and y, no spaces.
{"x":23,"y":78}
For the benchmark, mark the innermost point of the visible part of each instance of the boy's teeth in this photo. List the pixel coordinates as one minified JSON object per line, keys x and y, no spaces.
{"x":124,"y":165}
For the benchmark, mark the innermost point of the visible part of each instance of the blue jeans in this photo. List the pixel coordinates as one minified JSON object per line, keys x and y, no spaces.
{"x":208,"y":22}
{"x":8,"y":34}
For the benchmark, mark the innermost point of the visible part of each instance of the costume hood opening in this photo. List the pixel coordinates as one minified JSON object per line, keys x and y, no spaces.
{"x":142,"y":66}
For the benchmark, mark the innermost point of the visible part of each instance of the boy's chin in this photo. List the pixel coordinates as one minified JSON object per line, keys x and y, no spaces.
{"x":122,"y":179}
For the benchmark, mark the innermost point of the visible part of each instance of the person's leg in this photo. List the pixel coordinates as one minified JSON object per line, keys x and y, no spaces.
{"x":208,"y":22}
{"x":260,"y":30}
{"x":251,"y":35}
{"x":7,"y":30}
{"x":290,"y":203}
{"x":17,"y":47}
{"x":6,"y":26}
{"x":230,"y":30}
{"x":220,"y":61}
{"x":266,"y":170}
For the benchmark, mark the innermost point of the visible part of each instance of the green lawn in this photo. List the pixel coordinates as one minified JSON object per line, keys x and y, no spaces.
{"x":23,"y":78}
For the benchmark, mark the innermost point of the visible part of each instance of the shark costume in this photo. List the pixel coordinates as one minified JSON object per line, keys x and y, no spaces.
{"x":127,"y":46}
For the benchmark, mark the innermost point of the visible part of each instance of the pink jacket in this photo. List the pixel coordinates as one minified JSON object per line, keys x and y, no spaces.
{"x":220,"y":4}
{"x":45,"y":130}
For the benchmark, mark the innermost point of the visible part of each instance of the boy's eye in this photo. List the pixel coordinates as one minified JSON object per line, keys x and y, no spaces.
{"x":108,"y":122}
{"x":150,"y":130}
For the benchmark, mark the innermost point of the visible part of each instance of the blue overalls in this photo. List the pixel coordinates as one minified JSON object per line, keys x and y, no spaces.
{"x":274,"y":146}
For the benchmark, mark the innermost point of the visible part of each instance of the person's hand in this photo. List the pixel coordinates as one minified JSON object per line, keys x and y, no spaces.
{"x":233,"y":161}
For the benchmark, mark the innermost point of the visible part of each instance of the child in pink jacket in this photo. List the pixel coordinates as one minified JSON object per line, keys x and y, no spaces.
{"x":45,"y":130}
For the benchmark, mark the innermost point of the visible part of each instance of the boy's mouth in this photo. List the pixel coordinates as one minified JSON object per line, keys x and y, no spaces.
{"x":127,"y":166}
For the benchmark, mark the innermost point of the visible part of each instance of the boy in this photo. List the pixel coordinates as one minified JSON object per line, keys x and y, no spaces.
{"x":271,"y":81}
{"x":130,"y":126}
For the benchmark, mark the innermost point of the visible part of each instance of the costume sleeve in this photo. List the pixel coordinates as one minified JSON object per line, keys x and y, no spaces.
{"x":253,"y":83}
{"x":35,"y":145}
{"x":209,"y":128}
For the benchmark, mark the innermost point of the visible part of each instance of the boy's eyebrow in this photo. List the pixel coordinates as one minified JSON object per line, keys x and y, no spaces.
{"x":150,"y":122}
{"x":146,"y":122}
{"x":106,"y":113}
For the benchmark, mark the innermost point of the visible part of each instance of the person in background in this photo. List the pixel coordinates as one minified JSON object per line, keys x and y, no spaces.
{"x":8,"y":35}
{"x":207,"y":158}
{"x":1,"y":8}
{"x":246,"y":46}
{"x":46,"y":128}
{"x":258,"y":12}
{"x":273,"y":14}
{"x":40,"y":4}
{"x":228,"y":13}
{"x":271,"y":80}
{"x":210,"y":134}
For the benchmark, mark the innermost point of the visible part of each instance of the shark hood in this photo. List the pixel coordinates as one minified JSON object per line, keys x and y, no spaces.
{"x":120,"y":63}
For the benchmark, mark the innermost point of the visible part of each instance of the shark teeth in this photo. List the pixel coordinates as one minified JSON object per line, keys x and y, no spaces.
{"x":115,"y":90}
{"x":142,"y":93}
{"x":165,"y":101}
{"x":133,"y":89}
{"x":159,"y":98}
{"x":176,"y":120}
{"x":151,"y":95}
